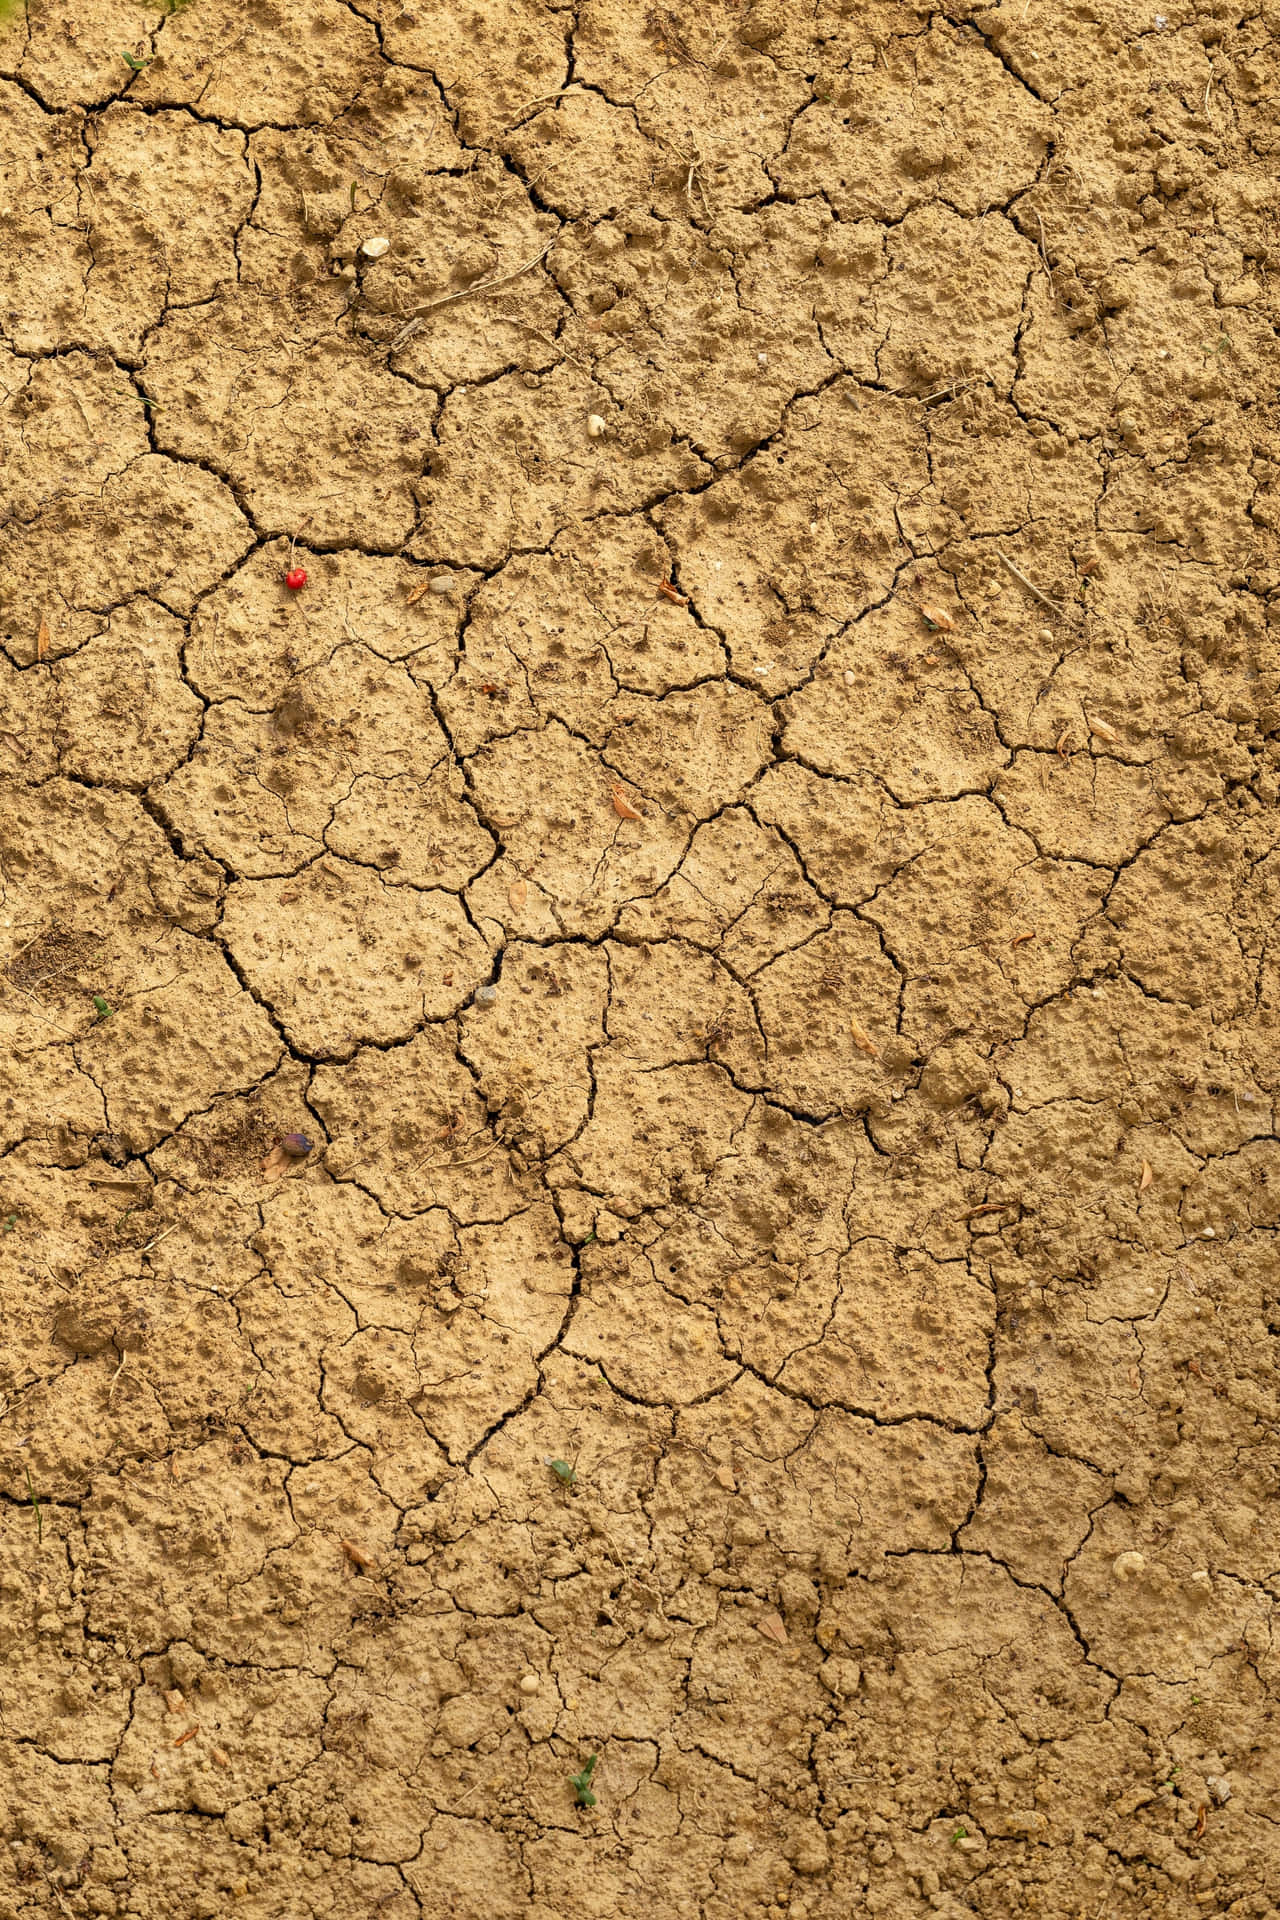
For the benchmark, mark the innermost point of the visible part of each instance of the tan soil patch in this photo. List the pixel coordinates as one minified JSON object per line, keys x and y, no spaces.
{"x":641,"y":1123}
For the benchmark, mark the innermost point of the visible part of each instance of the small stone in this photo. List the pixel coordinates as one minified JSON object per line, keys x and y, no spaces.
{"x":296,"y":1145}
{"x":1127,"y":1566}
{"x":1219,"y":1786}
{"x":597,"y":425}
{"x":529,"y":1683}
{"x":442,"y":583}
{"x":762,"y":359}
{"x":374,"y":248}
{"x":485,"y":996}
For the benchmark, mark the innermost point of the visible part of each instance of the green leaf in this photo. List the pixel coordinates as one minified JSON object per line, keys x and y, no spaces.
{"x":581,"y":1782}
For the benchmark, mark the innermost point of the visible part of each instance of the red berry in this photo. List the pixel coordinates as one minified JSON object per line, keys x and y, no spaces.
{"x":295,"y":578}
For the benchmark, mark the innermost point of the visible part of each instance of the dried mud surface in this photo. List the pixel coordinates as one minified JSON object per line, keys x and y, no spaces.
{"x":803,"y":1063}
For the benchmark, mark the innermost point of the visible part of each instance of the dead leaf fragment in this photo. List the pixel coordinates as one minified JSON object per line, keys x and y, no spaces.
{"x":417,"y":593}
{"x":358,"y":1557}
{"x":1103,"y":731}
{"x":770,"y":1625}
{"x":862,"y":1040}
{"x":42,"y":639}
{"x":622,"y":806}
{"x":517,"y":894}
{"x":190,"y":1734}
{"x":938,"y":617}
{"x":175,"y":1700}
{"x":1147,"y":1177}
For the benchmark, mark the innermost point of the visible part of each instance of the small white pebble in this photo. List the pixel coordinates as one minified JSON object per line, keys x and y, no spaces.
{"x":762,"y":359}
{"x":442,"y":583}
{"x":485,"y":996}
{"x":850,"y":677}
{"x":1201,"y":1576}
{"x":597,"y":425}
{"x":374,"y":248}
{"x":1208,"y":1234}
{"x":529,"y":1683}
{"x":1126,"y":1565}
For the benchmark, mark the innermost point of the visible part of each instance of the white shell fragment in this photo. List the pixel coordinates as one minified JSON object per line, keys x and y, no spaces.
{"x":374,"y":248}
{"x":597,"y":425}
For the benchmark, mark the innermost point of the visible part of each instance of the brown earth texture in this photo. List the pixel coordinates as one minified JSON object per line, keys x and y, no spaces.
{"x":751,"y":862}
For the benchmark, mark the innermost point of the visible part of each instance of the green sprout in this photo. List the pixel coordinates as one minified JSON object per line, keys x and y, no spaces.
{"x":581,"y":1782}
{"x":9,"y":1222}
{"x":101,"y":1007}
{"x":131,"y":60}
{"x":961,"y":1833}
{"x":564,"y":1473}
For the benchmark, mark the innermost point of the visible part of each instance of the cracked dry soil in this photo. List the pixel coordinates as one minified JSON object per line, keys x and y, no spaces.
{"x":862,"y":1176}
